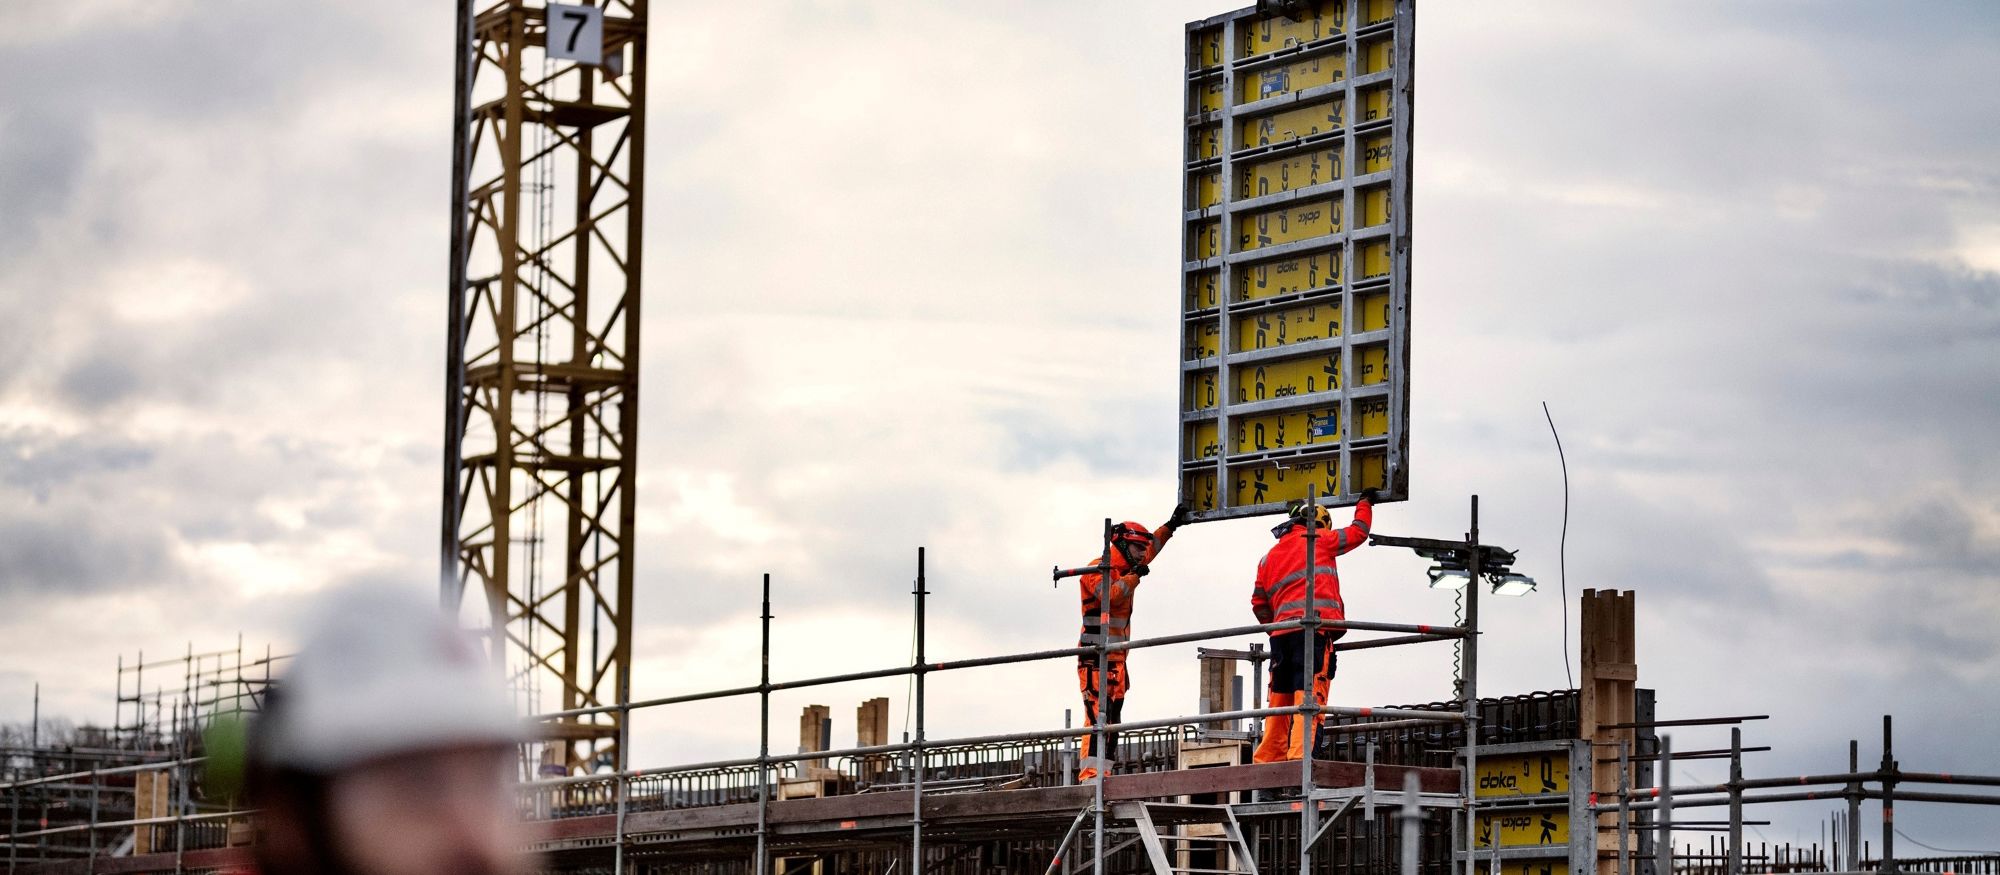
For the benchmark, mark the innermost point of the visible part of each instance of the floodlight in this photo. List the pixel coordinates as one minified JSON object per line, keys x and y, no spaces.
{"x":1512,"y":584}
{"x":1446,"y":577}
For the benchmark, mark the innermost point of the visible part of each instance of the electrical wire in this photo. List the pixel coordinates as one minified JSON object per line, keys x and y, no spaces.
{"x":1906,"y":837}
{"x":1562,"y":545}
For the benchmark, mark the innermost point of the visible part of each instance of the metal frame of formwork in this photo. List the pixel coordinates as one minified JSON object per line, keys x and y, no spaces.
{"x":1850,"y":787}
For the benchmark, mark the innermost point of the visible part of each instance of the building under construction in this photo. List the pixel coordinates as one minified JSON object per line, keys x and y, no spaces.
{"x":1298,"y":124}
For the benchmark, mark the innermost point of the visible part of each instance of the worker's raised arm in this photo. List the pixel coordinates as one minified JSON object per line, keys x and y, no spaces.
{"x":1356,"y":533}
{"x":1166,"y":532}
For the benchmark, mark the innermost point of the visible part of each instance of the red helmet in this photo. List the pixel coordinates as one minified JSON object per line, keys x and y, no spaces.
{"x":1131,"y":534}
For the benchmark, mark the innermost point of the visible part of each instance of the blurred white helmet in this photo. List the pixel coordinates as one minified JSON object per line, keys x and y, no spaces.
{"x":383,"y":672}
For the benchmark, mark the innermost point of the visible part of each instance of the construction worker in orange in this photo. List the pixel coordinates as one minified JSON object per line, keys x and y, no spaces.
{"x":1280,"y":595}
{"x":1107,"y":618}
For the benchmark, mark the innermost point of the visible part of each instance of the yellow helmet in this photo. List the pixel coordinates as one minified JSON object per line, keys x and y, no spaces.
{"x":1319,"y":515}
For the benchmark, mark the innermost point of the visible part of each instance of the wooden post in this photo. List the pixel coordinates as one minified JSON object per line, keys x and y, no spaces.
{"x":1608,"y":696}
{"x":1218,"y":680}
{"x":871,"y":728}
{"x":813,"y":725}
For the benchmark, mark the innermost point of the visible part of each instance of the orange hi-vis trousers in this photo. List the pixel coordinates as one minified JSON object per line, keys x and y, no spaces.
{"x":1285,"y":734}
{"x":1100,"y":700}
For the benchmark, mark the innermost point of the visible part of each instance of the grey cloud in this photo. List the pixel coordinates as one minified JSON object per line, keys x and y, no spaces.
{"x":75,"y":554}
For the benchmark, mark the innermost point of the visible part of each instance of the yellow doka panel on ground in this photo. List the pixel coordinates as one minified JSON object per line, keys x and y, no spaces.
{"x":1523,"y":829}
{"x":1275,"y":328}
{"x":1286,"y":378}
{"x":1281,"y":276}
{"x":1287,"y":224}
{"x":1277,"y":175}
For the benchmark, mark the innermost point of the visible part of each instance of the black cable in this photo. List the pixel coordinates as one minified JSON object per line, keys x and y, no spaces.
{"x":1562,"y":548}
{"x":1906,"y":837}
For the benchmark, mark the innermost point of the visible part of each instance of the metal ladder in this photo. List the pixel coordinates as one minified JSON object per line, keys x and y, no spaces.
{"x":1163,"y":848}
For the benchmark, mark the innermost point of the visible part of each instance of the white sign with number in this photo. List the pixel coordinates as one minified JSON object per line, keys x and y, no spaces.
{"x":576,"y":33}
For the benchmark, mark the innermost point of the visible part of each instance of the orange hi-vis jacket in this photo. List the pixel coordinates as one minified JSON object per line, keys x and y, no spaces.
{"x":1281,"y":575}
{"x":1124,"y":583}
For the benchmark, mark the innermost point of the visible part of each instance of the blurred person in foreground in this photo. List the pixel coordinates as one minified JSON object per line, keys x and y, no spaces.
{"x":388,"y":747}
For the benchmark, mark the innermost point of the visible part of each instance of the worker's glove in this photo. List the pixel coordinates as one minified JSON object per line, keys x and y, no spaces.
{"x":1179,"y":518}
{"x":1368,"y":495}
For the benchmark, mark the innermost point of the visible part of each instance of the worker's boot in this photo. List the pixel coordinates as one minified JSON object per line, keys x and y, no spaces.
{"x":1277,"y":731}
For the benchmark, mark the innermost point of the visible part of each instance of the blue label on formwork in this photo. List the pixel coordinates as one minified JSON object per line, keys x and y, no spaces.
{"x":1325,"y":426}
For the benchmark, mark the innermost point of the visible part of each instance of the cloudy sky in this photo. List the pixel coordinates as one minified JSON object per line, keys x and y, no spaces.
{"x":912,"y":280}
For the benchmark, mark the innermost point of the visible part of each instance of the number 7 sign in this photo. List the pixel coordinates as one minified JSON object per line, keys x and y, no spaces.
{"x":576,"y":33}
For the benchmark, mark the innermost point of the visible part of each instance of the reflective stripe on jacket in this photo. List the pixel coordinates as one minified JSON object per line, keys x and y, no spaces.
{"x":1123,"y":584}
{"x":1280,"y":593}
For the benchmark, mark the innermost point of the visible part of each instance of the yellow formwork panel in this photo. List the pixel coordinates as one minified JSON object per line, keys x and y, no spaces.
{"x":1368,"y":469}
{"x":1205,"y":49}
{"x":1282,"y":276}
{"x":1525,"y":774}
{"x":1198,"y":487}
{"x":1377,"y":11}
{"x":1202,"y":441}
{"x":1293,"y":77}
{"x":1282,"y":431}
{"x":1291,"y":124}
{"x":1207,"y":190}
{"x":1288,"y":224}
{"x":1199,"y":393}
{"x":1374,"y":207}
{"x":1371,"y":416}
{"x":1372,"y":259}
{"x":1204,"y":339}
{"x":1204,"y":289}
{"x":1274,"y":328}
{"x":1205,"y":142}
{"x":1269,"y":33}
{"x":1279,"y":175}
{"x":1523,"y":829}
{"x":1377,"y":55}
{"x":1371,"y":364}
{"x":1269,"y":483}
{"x":1371,"y":312}
{"x":1374,"y":102}
{"x":1206,"y":95}
{"x":1286,"y":378}
{"x":1377,"y":152}
{"x":1204,"y":240}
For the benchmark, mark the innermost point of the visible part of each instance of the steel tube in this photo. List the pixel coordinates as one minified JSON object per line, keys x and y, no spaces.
{"x":624,"y":790}
{"x":1624,"y":808}
{"x":917,"y":749}
{"x":1412,"y":816}
{"x":1663,"y":846}
{"x":1469,"y":684}
{"x":1309,"y":686}
{"x":1097,"y":719}
{"x":1419,"y":633}
{"x":1854,"y":806}
{"x":1735,"y":801}
{"x":1888,"y":797}
{"x":763,"y":861}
